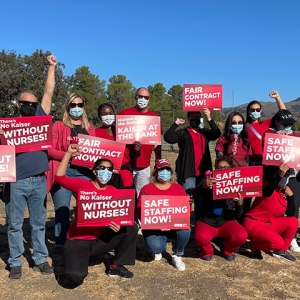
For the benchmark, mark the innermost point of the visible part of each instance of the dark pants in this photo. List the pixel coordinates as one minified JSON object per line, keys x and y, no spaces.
{"x":78,"y":252}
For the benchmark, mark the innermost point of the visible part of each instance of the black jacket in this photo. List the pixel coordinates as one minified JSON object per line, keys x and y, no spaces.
{"x":185,"y":163}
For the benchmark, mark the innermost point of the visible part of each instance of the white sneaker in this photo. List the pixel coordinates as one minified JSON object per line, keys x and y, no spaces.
{"x":294,"y":247}
{"x":157,"y":256}
{"x":178,"y":263}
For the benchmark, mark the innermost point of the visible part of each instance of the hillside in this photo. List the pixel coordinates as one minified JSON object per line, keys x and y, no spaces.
{"x":268,"y":108}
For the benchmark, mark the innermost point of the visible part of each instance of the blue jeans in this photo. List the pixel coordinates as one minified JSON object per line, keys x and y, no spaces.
{"x":31,"y":192}
{"x":61,"y":198}
{"x":189,"y":185}
{"x":156,"y":240}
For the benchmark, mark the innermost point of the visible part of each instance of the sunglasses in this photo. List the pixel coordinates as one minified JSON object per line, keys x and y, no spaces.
{"x":73,"y":105}
{"x":103,"y":168}
{"x":165,"y":168}
{"x":27,"y":103}
{"x":255,"y":109}
{"x":237,"y":123}
{"x":142,"y":96}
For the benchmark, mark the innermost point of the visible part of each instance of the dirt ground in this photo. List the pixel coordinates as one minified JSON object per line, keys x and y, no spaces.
{"x":244,"y":278}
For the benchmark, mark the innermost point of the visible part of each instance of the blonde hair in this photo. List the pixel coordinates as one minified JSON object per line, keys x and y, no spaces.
{"x":67,"y":120}
{"x":153,"y":177}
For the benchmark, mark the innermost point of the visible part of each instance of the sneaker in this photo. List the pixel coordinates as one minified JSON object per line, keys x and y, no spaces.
{"x":44,"y":268}
{"x":15,"y":272}
{"x":120,"y":271}
{"x":229,"y":257}
{"x":207,"y":258}
{"x":294,"y":247}
{"x":178,"y":263}
{"x":256,"y":254}
{"x":157,"y":256}
{"x":284,"y":254}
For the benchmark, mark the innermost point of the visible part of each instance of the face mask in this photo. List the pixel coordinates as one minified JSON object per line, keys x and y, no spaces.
{"x":76,"y":112}
{"x":255,"y":115}
{"x":285,"y":128}
{"x":164,"y":175}
{"x":108,"y":120}
{"x":237,"y":128}
{"x":194,"y":123}
{"x":27,"y":111}
{"x":104,"y":176}
{"x":283,"y":182}
{"x":142,"y":103}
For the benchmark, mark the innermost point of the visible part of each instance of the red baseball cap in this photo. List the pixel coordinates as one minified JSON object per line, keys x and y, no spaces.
{"x":160,"y":163}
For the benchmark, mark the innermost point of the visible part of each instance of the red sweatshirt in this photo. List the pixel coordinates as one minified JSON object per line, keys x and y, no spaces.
{"x":74,"y":185}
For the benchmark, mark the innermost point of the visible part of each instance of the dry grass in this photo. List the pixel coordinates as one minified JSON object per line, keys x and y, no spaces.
{"x":243,"y":278}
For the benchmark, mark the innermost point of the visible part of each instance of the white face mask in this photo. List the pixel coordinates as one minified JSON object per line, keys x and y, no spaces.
{"x":108,"y":120}
{"x":142,"y":103}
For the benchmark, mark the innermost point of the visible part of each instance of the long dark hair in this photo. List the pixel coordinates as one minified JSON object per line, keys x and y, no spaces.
{"x":248,"y":118}
{"x":227,"y":132}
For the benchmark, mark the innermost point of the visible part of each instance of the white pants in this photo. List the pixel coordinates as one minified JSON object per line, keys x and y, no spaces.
{"x":141,"y":177}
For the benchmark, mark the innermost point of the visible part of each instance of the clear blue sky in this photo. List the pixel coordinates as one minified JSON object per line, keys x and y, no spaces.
{"x":251,"y":47}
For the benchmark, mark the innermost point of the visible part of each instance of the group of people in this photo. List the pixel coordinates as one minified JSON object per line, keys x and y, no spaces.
{"x":270,"y":222}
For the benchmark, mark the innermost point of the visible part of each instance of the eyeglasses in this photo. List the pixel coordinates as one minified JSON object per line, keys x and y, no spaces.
{"x":223,"y":167}
{"x":103,"y":168}
{"x":237,"y":123}
{"x":165,"y":168}
{"x":27,"y":103}
{"x":142,"y":96}
{"x":255,"y":109}
{"x":73,"y":105}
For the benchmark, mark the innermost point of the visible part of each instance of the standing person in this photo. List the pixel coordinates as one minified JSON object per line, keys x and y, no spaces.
{"x":194,"y":155}
{"x":141,"y":164}
{"x":256,"y":127}
{"x":107,"y":131}
{"x":234,"y":142}
{"x":163,"y":183}
{"x":30,"y":188}
{"x":218,"y":218}
{"x":74,"y":121}
{"x":84,"y":242}
{"x":282,"y":123}
{"x":267,"y":226}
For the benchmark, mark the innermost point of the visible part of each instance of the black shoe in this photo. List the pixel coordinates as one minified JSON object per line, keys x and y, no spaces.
{"x":229,"y":257}
{"x":15,"y":272}
{"x":44,"y":268}
{"x":256,"y":254}
{"x":207,"y":258}
{"x":284,"y":254}
{"x":120,"y":271}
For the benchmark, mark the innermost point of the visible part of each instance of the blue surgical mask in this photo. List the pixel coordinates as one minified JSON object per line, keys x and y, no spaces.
{"x":286,"y":128}
{"x":283,"y":182}
{"x":142,"y":103}
{"x":108,"y":120}
{"x":255,"y":115}
{"x":104,"y":176}
{"x":76,"y":112}
{"x":237,"y":128}
{"x":164,"y":175}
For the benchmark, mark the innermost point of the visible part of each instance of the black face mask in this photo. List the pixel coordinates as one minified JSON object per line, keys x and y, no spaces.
{"x":27,"y":111}
{"x":194,"y":123}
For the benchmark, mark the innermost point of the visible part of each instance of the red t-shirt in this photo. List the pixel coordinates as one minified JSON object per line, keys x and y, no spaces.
{"x":74,"y":185}
{"x":143,"y":161}
{"x":240,"y":158}
{"x":150,"y":189}
{"x":255,"y":142}
{"x":199,"y":144}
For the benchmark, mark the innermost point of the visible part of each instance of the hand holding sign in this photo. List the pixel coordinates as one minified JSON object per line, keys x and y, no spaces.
{"x":206,"y":111}
{"x":114,"y":227}
{"x":283,"y":169}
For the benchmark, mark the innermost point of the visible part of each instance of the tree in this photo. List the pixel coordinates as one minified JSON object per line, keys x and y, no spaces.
{"x":120,"y":92}
{"x":91,"y":88}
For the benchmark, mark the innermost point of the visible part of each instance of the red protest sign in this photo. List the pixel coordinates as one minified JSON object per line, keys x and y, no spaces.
{"x":7,"y":164}
{"x":100,"y":208}
{"x":27,"y":133}
{"x":196,"y":97}
{"x":244,"y":180}
{"x":280,"y":149}
{"x":165,"y":212}
{"x":145,"y":129}
{"x":93,"y":148}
